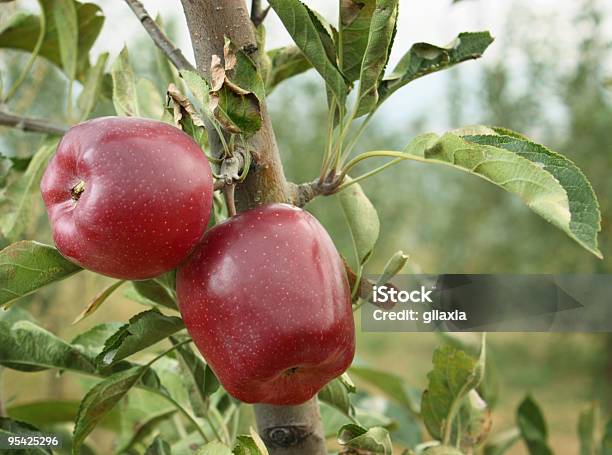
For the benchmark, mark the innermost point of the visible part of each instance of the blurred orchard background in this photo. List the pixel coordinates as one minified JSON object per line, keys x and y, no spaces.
{"x":548,"y":74}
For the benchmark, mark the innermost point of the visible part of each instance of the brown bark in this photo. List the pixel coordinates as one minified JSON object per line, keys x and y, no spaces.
{"x":289,"y":430}
{"x":285,"y":429}
{"x":209,"y":21}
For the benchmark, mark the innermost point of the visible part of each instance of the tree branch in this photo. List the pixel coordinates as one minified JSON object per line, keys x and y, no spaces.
{"x":32,"y":125}
{"x":303,"y":193}
{"x":159,"y":37}
{"x":209,"y":22}
{"x":258,"y":13}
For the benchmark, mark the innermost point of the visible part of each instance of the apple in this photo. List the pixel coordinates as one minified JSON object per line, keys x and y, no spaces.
{"x":266,"y":300}
{"x":127,"y":197}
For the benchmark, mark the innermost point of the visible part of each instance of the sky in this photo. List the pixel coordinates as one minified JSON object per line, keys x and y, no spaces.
{"x":434,"y":21}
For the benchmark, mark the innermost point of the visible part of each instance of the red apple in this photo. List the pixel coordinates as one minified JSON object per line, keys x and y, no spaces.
{"x":128,"y":198}
{"x":266,"y":300}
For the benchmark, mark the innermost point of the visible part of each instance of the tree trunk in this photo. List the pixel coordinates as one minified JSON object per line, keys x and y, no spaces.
{"x":285,"y":429}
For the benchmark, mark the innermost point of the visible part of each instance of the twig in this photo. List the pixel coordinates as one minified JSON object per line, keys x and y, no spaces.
{"x":174,"y":54}
{"x":364,"y":287}
{"x":306,"y":192}
{"x":159,"y":37}
{"x":32,"y":125}
{"x":258,"y":13}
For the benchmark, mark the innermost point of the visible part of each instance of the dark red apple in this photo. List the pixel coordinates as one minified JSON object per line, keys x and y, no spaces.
{"x":128,"y":198}
{"x":266,"y":299}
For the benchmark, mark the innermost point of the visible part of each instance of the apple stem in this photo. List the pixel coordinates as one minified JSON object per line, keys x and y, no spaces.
{"x":77,"y":190}
{"x":228,"y":194}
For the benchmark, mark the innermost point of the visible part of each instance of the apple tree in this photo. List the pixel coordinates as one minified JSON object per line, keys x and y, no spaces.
{"x":175,"y":400}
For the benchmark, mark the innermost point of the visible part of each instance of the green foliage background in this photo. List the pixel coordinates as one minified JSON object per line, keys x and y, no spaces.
{"x":446,"y":221}
{"x":453,"y":223}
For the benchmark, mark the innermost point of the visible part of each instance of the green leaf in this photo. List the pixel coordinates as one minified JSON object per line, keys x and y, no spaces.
{"x":372,"y":441}
{"x":242,"y":71}
{"x":24,"y":346}
{"x":150,"y":102}
{"x":143,"y":330}
{"x":424,"y":58}
{"x":167,"y":72}
{"x":197,"y":85}
{"x":394,"y":265}
{"x":15,"y":313}
{"x":155,"y":292}
{"x":475,"y":422}
{"x":66,"y":22}
{"x":214,"y":448}
{"x":22,"y":31}
{"x":237,"y":92}
{"x":453,"y":376}
{"x":158,"y":447}
{"x":362,"y":219}
{"x":98,"y":301}
{"x":336,"y":394}
{"x":532,"y":426}
{"x":546,"y":182}
{"x":333,"y":418}
{"x":125,"y":96}
{"x":17,"y":201}
{"x":380,"y":39}
{"x":285,"y":62}
{"x":393,"y":386}
{"x":585,"y":219}
{"x":184,"y":115}
{"x":250,"y":445}
{"x":201,"y":380}
{"x":6,"y":164}
{"x":26,"y":69}
{"x":355,"y":19}
{"x":101,"y":399}
{"x":17,"y":163}
{"x":91,"y":341}
{"x":237,"y":113}
{"x":27,"y":266}
{"x":502,"y":442}
{"x":314,"y":41}
{"x":92,"y":86}
{"x":588,"y":426}
{"x":10,"y":427}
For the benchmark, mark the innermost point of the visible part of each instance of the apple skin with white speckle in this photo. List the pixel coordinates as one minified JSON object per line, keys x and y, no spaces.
{"x":266,"y":300}
{"x":127,"y":197}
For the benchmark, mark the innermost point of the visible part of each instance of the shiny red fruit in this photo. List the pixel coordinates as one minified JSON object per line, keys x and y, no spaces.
{"x":266,"y":300}
{"x":128,"y":198}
